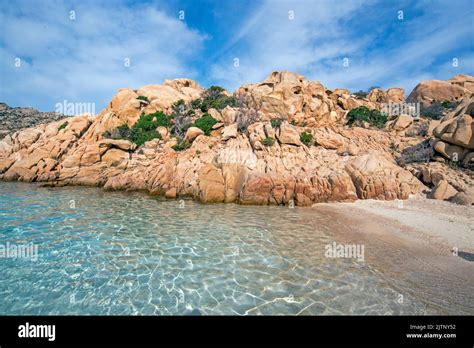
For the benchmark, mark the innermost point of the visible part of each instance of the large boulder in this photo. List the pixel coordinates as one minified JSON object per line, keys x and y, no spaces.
{"x":376,"y":177}
{"x":392,"y":95}
{"x":402,"y":122}
{"x":465,"y":81}
{"x":211,"y":184}
{"x":452,"y":152}
{"x":288,"y":134}
{"x":431,"y":91}
{"x":229,"y":132}
{"x":443,"y":190}
{"x":121,"y":144}
{"x":457,"y":131}
{"x":192,"y":133}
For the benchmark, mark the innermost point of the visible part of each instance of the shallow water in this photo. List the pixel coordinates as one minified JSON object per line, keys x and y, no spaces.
{"x":128,"y":253}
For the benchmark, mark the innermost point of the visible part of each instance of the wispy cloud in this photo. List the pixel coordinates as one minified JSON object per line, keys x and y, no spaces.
{"x":382,"y":48}
{"x":84,"y":59}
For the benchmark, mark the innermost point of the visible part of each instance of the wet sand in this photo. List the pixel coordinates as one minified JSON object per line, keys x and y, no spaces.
{"x":411,"y":244}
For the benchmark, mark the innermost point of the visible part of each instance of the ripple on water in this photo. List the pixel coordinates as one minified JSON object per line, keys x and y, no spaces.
{"x":128,"y":253}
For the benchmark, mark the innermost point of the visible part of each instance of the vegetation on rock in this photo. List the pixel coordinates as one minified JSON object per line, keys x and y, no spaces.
{"x":306,"y":138}
{"x":205,"y":123}
{"x":154,"y":120}
{"x":245,"y":115}
{"x":214,"y":98}
{"x":435,"y":111}
{"x":142,"y":131}
{"x":63,"y":125}
{"x":182,"y":117}
{"x":276,"y":122}
{"x":449,"y":104}
{"x":181,"y":145}
{"x":142,"y":97}
{"x":360,"y":94}
{"x":364,"y":114}
{"x":268,"y":141}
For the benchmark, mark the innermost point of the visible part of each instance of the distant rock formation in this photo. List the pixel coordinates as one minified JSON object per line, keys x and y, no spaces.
{"x":284,"y":140}
{"x":454,"y":89}
{"x":14,"y":119}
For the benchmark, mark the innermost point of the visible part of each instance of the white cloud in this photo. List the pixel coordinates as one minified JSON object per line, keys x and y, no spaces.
{"x":83,"y":60}
{"x":324,"y":32}
{"x":276,"y":42}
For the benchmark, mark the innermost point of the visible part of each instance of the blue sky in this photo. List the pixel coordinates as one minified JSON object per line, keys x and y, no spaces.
{"x":82,"y":60}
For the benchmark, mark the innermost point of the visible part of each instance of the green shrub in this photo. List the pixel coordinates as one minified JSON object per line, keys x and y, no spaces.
{"x":62,"y":126}
{"x":124,"y":131}
{"x":435,"y":111}
{"x":142,"y":131}
{"x":219,"y":103}
{"x":205,"y":123}
{"x":215,"y":90}
{"x":362,"y":113}
{"x":140,"y":136}
{"x":276,"y":122}
{"x":214,"y":98}
{"x":268,"y":141}
{"x":152,"y":121}
{"x":449,"y":104}
{"x":360,"y":94}
{"x":142,"y":97}
{"x":306,"y":138}
{"x":196,"y":104}
{"x":181,"y":145}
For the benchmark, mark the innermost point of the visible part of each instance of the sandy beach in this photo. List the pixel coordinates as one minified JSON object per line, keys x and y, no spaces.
{"x":414,"y":242}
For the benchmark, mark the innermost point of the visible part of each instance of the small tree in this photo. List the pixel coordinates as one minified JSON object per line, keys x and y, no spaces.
{"x":246,"y":114}
{"x":182,"y":117}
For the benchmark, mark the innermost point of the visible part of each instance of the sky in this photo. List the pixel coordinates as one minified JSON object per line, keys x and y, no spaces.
{"x":53,"y":51}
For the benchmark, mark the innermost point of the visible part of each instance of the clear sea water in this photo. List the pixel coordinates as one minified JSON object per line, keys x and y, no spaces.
{"x":118,"y":253}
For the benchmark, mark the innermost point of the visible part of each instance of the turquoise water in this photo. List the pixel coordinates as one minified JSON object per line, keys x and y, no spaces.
{"x":131,"y":254}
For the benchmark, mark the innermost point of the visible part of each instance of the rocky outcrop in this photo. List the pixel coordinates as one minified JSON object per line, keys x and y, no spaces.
{"x":257,"y":162}
{"x":377,"y":177}
{"x":192,"y":133}
{"x":454,"y":136}
{"x":431,"y":91}
{"x":465,"y":81}
{"x":391,"y":95}
{"x":291,"y":97}
{"x":14,"y":119}
{"x":400,"y":123}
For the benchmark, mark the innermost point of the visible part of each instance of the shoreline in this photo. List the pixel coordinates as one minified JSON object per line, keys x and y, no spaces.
{"x":415,"y":244}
